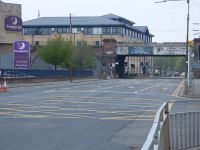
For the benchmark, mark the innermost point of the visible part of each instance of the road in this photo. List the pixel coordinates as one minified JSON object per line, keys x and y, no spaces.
{"x":93,"y":115}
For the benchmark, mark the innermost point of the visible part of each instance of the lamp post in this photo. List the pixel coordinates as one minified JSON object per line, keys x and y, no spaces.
{"x":187,"y":35}
{"x":187,"y":42}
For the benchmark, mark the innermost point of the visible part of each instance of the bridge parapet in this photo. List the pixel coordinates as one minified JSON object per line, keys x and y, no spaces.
{"x":151,"y":49}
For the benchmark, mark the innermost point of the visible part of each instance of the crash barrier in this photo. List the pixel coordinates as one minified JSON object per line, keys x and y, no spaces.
{"x":3,"y":87}
{"x":158,"y":138}
{"x":184,"y":130}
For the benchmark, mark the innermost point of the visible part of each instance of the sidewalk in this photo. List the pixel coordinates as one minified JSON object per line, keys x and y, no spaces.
{"x":192,"y":91}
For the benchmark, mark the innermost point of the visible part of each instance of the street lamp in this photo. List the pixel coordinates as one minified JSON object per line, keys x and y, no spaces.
{"x":187,"y":35}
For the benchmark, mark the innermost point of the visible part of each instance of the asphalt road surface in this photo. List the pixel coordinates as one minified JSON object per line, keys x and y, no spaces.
{"x":91,"y":115}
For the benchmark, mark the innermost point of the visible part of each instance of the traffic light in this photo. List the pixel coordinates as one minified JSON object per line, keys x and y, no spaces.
{"x":190,"y":42}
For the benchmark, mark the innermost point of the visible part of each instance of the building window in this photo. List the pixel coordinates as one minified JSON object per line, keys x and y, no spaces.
{"x":135,"y":34}
{"x":60,"y":30}
{"x":79,"y":29}
{"x":79,"y":43}
{"x":129,"y":33}
{"x":65,"y":30}
{"x":37,"y":31}
{"x":138,"y":35}
{"x":116,"y":30}
{"x":28,"y":31}
{"x":41,"y":31}
{"x":88,"y":31}
{"x":107,"y":30}
{"x":97,"y":30}
{"x":37,"y":43}
{"x":97,"y":43}
{"x":124,"y":33}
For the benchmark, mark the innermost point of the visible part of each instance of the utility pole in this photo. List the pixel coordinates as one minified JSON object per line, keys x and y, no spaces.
{"x":70,"y":38}
{"x":189,"y":76}
{"x":70,"y":26}
{"x":187,"y":40}
{"x":187,"y":36}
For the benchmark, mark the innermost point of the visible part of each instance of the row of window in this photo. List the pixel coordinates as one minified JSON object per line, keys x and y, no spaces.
{"x":89,"y":31}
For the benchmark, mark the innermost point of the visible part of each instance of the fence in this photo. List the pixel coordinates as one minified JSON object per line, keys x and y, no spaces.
{"x":11,"y":73}
{"x":184,"y":130}
{"x":175,"y":131}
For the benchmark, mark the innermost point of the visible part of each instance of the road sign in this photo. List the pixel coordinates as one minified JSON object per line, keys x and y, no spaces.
{"x":21,"y":53}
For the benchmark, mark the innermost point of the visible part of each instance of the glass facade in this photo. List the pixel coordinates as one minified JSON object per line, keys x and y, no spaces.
{"x":106,"y":30}
{"x":90,"y":31}
{"x":116,"y":30}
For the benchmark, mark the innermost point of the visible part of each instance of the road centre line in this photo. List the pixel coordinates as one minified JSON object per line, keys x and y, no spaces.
{"x":136,"y":92}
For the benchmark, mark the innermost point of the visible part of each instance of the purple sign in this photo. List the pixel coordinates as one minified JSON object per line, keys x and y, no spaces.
{"x":21,"y":50}
{"x":13,"y":23}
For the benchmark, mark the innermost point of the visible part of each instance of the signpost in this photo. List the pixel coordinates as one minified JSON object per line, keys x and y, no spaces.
{"x":21,"y":55}
{"x":13,"y":23}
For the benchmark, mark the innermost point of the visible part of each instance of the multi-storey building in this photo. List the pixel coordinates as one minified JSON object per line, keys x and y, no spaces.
{"x":10,"y":31}
{"x":93,"y":30}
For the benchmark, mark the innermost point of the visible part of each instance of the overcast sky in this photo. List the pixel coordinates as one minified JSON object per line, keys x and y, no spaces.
{"x":167,"y":21}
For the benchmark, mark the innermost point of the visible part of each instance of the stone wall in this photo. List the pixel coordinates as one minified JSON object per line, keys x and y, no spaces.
{"x":8,"y":9}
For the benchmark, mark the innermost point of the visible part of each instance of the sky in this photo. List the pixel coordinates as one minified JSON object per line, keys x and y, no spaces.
{"x":166,"y":21}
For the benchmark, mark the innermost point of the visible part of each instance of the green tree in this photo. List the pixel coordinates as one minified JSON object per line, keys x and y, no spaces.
{"x":80,"y":57}
{"x":68,"y":62}
{"x":55,"y":51}
{"x":64,"y":53}
{"x":84,"y":57}
{"x":169,"y":63}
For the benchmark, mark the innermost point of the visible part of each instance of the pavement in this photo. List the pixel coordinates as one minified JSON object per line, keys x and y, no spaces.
{"x":188,"y":102}
{"x":180,"y":124}
{"x":191,"y":91}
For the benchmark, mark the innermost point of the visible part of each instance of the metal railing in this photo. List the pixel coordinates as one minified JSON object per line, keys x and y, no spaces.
{"x":174,"y":131}
{"x":158,"y":137}
{"x":184,"y":130}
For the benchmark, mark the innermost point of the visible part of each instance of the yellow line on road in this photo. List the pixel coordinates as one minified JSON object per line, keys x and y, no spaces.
{"x":30,"y":116}
{"x":129,"y":118}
